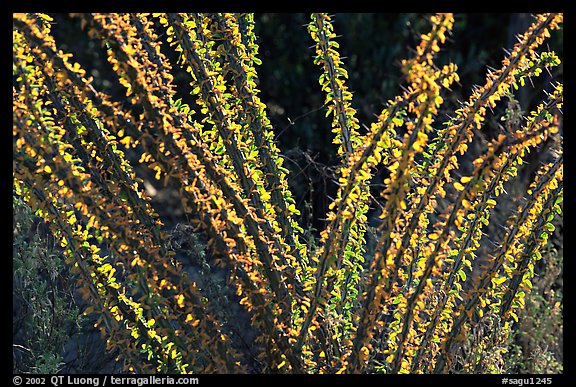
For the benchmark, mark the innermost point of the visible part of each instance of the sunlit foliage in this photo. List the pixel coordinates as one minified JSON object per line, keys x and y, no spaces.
{"x":336,"y":309}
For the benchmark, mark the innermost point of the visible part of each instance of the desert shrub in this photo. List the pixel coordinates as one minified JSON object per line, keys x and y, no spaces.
{"x":44,"y":313}
{"x":424,"y":272}
{"x":536,"y":345}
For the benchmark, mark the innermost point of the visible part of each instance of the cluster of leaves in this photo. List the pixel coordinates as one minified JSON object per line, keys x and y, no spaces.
{"x":50,"y":332}
{"x":409,"y":308}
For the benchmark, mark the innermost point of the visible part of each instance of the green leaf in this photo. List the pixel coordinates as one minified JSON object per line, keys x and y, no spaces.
{"x":498,"y":280}
{"x":527,"y":283}
{"x":292,"y":208}
{"x":514,"y":316}
{"x":397,"y":121}
{"x":462,"y":275}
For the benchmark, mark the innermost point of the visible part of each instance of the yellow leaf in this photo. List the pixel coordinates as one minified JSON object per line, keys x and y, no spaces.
{"x":363,"y":175}
{"x":458,"y":186}
{"x":364,"y":352}
{"x":126,"y":141}
{"x":418,"y":147}
{"x":91,"y":221}
{"x":514,"y":316}
{"x":137,"y":261}
{"x":441,"y":36}
{"x":265,"y":196}
{"x":47,"y":169}
{"x":420,"y":142}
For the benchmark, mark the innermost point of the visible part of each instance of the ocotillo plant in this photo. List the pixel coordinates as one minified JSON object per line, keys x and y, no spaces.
{"x":437,"y":269}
